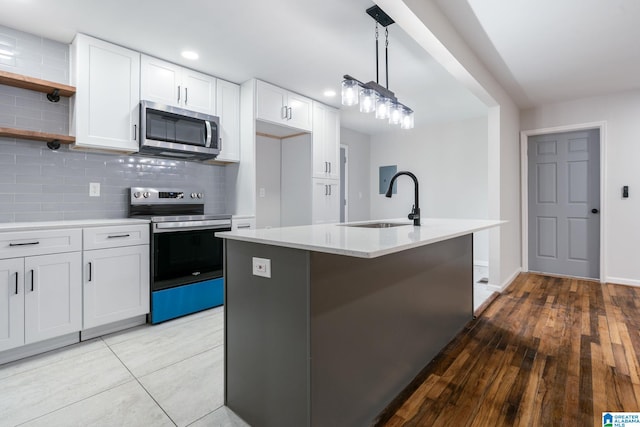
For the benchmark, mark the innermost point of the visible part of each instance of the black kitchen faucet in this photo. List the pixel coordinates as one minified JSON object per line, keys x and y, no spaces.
{"x":415,"y":210}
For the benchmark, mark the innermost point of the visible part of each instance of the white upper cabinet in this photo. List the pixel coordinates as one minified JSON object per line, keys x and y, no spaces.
{"x":228,"y":109}
{"x":105,"y":110}
{"x":326,"y":142}
{"x":170,"y":84}
{"x":277,"y":105}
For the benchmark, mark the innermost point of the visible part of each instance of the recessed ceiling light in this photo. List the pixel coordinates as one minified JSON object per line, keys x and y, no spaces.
{"x":329,"y":93}
{"x":189,"y":54}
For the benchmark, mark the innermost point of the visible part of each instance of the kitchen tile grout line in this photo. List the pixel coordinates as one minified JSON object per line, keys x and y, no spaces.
{"x":141,"y":385}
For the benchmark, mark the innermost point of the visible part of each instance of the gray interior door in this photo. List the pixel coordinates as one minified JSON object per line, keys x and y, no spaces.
{"x":564,"y":203}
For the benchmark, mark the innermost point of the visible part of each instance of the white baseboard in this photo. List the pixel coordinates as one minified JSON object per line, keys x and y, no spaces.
{"x":38,"y":347}
{"x":481,"y":263}
{"x":506,"y":283}
{"x":622,"y":281}
{"x":112,"y":327}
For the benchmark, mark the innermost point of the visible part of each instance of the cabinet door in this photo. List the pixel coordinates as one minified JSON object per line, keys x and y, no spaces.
{"x":228,"y":109}
{"x":326,"y":142}
{"x":116,"y":284}
{"x":160,"y":81}
{"x":53,"y":296}
{"x":271,"y":103}
{"x":199,"y":92}
{"x":11,"y":303}
{"x":104,"y":111}
{"x":300,"y":113}
{"x":332,"y":142}
{"x":325,"y":203}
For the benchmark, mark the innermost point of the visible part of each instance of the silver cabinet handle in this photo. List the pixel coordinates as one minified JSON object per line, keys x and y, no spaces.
{"x":186,"y":95}
{"x":329,"y":167}
{"x":329,"y":190}
{"x":244,"y":226}
{"x":116,"y":236}
{"x":179,"y":89}
{"x":16,"y":283}
{"x":24,"y":244}
{"x":283,"y":112}
{"x":289,"y":113}
{"x":220,"y":146}
{"x":31,"y":280}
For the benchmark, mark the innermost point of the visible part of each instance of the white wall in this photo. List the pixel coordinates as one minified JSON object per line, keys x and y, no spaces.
{"x":450,"y":161}
{"x":359,"y":174}
{"x":621,"y":112}
{"x":267,"y":182}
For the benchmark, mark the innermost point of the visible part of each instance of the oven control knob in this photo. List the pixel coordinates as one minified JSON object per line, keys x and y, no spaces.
{"x":146,"y":194}
{"x":137,"y":194}
{"x":199,"y":195}
{"x":194,"y":195}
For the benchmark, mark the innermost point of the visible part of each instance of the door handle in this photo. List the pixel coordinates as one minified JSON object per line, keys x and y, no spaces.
{"x":594,"y":210}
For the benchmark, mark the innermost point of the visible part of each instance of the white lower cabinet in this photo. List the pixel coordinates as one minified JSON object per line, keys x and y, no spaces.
{"x":116,"y":274}
{"x":116,"y":284}
{"x":11,"y":303}
{"x":40,"y":298}
{"x":52,"y":297}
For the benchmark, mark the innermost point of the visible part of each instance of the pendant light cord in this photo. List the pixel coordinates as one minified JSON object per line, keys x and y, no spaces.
{"x":377,"y":66}
{"x":386,"y":54}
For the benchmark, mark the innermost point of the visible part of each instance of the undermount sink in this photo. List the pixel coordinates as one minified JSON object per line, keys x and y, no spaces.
{"x":379,"y":224}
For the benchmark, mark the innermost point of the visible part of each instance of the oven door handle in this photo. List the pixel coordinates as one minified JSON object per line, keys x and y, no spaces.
{"x":163,"y":227}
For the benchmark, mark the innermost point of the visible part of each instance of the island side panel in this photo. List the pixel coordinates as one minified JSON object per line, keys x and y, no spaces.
{"x":267,"y":335}
{"x":375,"y":323}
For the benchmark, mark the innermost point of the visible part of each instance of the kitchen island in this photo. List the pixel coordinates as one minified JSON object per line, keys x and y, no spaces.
{"x":326,"y":324}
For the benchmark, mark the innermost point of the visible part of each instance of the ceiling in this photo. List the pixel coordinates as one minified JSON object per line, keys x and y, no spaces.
{"x":547,"y":51}
{"x":304,"y":46}
{"x":541,"y":51}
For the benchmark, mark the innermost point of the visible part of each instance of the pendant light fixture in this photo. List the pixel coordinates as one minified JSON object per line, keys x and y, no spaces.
{"x":373,"y":97}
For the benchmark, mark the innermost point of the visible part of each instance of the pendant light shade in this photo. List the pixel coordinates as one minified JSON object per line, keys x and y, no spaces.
{"x":383,"y":107}
{"x":407,"y":119}
{"x":350,"y":89}
{"x":367,"y":100}
{"x":395,"y":114}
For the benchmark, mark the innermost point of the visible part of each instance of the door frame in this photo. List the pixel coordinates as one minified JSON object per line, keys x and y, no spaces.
{"x":524,"y":183}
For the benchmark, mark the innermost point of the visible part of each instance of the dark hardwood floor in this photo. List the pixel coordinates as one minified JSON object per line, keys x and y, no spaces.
{"x":547,"y":352}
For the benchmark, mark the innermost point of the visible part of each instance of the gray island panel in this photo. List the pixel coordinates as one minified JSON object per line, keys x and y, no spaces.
{"x":332,"y":339}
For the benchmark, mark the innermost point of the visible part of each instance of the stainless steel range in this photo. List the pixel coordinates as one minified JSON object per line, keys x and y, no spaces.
{"x":186,"y":257}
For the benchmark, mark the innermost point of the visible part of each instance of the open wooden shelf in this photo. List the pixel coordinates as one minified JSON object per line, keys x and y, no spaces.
{"x":32,"y":83}
{"x":54,"y":91}
{"x":36,"y":136}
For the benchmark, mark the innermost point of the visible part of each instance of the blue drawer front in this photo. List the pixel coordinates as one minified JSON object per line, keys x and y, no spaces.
{"x":182,"y":300}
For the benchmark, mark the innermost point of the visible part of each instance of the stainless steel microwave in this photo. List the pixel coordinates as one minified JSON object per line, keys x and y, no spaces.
{"x":173,"y":132}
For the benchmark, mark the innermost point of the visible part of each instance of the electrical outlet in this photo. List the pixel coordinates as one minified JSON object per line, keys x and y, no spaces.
{"x":262,"y":267}
{"x":94,"y":189}
{"x":262,"y":192}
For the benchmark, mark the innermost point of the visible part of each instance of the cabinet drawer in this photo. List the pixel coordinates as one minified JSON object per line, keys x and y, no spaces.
{"x":115,"y":236}
{"x":15,"y":244}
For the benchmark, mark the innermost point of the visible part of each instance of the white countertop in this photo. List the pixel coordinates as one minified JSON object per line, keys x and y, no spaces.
{"x":359,"y":241}
{"x":81,"y":223}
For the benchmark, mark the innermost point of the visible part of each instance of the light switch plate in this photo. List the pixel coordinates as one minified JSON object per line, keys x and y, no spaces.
{"x":94,"y":189}
{"x":262,"y":267}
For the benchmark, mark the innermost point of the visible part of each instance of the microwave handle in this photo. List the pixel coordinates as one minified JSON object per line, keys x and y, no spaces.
{"x":208,"y":126}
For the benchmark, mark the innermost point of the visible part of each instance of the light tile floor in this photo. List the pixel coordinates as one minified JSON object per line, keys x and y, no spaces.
{"x":171,"y":374}
{"x":164,"y":375}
